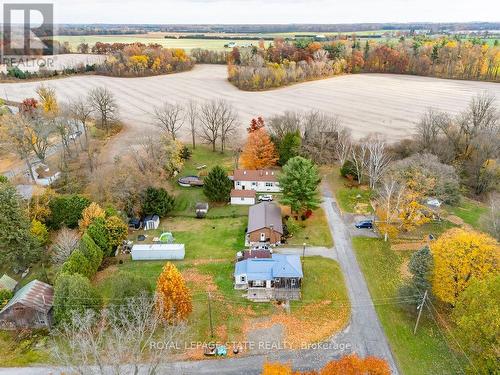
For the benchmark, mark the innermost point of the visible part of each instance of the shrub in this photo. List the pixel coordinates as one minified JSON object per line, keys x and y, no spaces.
{"x":5,"y":296}
{"x":40,"y":232}
{"x":127,"y":285}
{"x":92,"y":252}
{"x":77,"y":263}
{"x":73,"y":293}
{"x":157,"y":202}
{"x":66,"y":210}
{"x":348,"y":169}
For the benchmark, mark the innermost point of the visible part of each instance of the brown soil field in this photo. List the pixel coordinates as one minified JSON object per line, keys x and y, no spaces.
{"x":366,"y":103}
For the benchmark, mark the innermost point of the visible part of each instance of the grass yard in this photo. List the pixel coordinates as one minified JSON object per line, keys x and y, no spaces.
{"x":313,"y":231}
{"x":426,"y":352}
{"x":469,"y":211}
{"x":22,"y":349}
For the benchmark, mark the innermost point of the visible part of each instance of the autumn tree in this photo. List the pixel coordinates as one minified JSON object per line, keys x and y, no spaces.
{"x":48,"y":100}
{"x":174,"y":297}
{"x":459,"y":256}
{"x":276,"y":368}
{"x":354,"y":365}
{"x":259,"y":152}
{"x":299,"y":183}
{"x":90,"y":213}
{"x":477,"y":318}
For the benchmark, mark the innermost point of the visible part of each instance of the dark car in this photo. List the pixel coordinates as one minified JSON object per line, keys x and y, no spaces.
{"x":364,"y":224}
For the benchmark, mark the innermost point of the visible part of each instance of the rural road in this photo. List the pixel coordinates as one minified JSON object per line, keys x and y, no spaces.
{"x":364,"y":335}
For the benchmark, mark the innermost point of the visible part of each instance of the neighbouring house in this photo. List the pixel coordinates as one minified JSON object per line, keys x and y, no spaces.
{"x":265,"y":225}
{"x":267,"y":279}
{"x":201,"y":210}
{"x":8,"y":283}
{"x":160,"y":251}
{"x":243,"y":197}
{"x":151,"y":222}
{"x":45,"y":176}
{"x":259,"y":252}
{"x":262,"y":181}
{"x":31,"y":307}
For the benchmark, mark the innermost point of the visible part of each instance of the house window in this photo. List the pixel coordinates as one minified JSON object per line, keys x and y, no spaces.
{"x":269,"y":184}
{"x":243,"y":279}
{"x":293,"y":282}
{"x":262,"y":237}
{"x":258,"y":283}
{"x":254,"y":183}
{"x":238,"y":183}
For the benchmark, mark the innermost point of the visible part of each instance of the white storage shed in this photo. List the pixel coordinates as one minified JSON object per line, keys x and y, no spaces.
{"x":161,"y":251}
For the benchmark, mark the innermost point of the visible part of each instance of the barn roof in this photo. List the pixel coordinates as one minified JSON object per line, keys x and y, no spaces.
{"x":243,"y":193}
{"x":263,"y":215}
{"x":36,"y":295}
{"x":7,"y":282}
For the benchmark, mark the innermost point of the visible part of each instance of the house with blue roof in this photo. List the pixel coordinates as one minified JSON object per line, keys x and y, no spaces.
{"x":278,"y":278}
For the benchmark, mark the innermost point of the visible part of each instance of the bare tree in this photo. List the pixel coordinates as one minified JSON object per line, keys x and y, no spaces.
{"x":491,"y":221}
{"x":40,"y":130}
{"x":359,"y":155}
{"x":103,"y":102}
{"x":81,"y":110}
{"x":210,"y":122}
{"x":342,"y":148}
{"x":65,"y":243}
{"x":429,"y":128}
{"x":228,"y":122}
{"x":128,"y":338}
{"x":169,"y":118}
{"x":377,"y":162}
{"x":288,"y":122}
{"x":192,"y":117}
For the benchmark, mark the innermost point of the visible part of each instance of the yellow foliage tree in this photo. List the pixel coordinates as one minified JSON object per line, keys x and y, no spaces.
{"x":48,"y":99}
{"x":277,"y":368}
{"x":174,"y":297}
{"x":459,"y":256}
{"x":259,"y":151}
{"x":90,"y":213}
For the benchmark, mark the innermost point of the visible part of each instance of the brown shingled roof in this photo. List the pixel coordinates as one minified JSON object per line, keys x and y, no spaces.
{"x":243,"y":193}
{"x":263,"y":215}
{"x":256,"y":175}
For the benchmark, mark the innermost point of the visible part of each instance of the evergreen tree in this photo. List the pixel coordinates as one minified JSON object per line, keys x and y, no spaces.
{"x":18,"y":247}
{"x":100,"y":234}
{"x":299,"y":183}
{"x":157,"y":202}
{"x":217,"y":186}
{"x":289,"y":147}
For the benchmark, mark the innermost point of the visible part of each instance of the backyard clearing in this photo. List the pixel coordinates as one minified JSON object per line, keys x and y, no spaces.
{"x":365,"y":103}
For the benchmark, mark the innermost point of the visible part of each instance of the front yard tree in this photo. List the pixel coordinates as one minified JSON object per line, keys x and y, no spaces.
{"x":174,"y":297}
{"x":18,"y":247}
{"x":217,"y":186}
{"x":259,"y":152}
{"x":157,"y":201}
{"x":299,"y":183}
{"x":461,"y":255}
{"x":476,"y":316}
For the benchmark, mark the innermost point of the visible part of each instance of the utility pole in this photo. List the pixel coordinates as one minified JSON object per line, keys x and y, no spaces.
{"x":210,"y":315}
{"x":420,"y":308}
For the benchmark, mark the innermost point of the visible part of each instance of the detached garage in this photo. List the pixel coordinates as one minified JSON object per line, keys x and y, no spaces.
{"x":243,"y":197}
{"x":158,"y":252}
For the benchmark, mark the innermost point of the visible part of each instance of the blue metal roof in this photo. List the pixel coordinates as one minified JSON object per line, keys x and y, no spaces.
{"x":267,"y":269}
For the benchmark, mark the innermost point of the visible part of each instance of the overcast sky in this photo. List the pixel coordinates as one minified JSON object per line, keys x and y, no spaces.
{"x":272,"y":11}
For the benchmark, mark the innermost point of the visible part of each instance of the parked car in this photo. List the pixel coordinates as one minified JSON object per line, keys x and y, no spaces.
{"x":364,"y":224}
{"x":265,"y":198}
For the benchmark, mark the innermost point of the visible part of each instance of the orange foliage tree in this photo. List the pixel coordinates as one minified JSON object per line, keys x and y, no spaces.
{"x":174,"y":297}
{"x":259,"y":151}
{"x":348,"y":365}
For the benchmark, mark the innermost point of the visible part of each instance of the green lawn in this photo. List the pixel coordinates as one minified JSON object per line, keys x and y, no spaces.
{"x":469,"y":211}
{"x":23,"y":349}
{"x":313,"y":231}
{"x":427,"y":351}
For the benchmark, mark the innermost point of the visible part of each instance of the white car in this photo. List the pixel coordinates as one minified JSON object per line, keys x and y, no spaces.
{"x":265,"y":198}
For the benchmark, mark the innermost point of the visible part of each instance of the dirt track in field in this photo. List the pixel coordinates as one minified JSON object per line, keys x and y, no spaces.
{"x":366,"y":103}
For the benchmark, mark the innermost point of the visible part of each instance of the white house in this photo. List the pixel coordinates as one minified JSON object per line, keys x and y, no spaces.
{"x":151,"y":222}
{"x":163,"y":251}
{"x":262,"y":181}
{"x":44,"y":176}
{"x":243,"y":197}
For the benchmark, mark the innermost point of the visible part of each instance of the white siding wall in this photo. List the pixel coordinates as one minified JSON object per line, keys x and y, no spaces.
{"x":243,"y":201}
{"x":260,"y":186}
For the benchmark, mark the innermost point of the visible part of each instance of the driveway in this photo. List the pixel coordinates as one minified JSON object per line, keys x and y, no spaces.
{"x":365,"y":331}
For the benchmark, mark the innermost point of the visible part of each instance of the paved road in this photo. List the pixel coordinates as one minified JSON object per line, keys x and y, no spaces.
{"x":364,"y":335}
{"x":366,"y":332}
